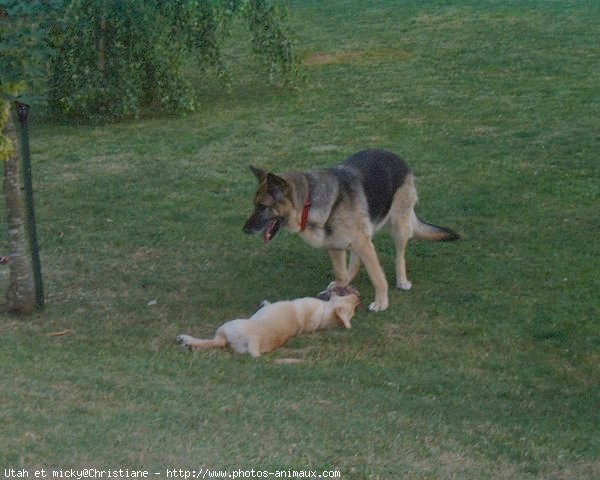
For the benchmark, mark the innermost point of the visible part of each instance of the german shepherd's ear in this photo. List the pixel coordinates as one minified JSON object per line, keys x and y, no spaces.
{"x":258,"y":173}
{"x":277,"y":186}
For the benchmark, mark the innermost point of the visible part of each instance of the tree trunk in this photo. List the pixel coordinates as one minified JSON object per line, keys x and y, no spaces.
{"x":101,"y":37}
{"x":21,"y":289}
{"x":100,"y":45}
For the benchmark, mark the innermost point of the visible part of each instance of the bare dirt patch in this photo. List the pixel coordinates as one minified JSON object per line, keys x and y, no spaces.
{"x":370,"y":56}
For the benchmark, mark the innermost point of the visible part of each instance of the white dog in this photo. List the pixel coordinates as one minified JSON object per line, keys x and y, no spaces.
{"x":274,"y":323}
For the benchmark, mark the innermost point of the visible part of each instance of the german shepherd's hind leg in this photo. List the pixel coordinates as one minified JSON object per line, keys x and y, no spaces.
{"x":199,"y":344}
{"x":367,"y":254}
{"x":401,"y":232}
{"x":401,"y":213}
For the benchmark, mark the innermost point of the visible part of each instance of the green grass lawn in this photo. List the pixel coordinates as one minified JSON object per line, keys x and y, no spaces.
{"x":487,"y":369}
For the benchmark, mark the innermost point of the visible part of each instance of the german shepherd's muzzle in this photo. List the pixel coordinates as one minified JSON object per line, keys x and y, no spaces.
{"x":263,"y":220}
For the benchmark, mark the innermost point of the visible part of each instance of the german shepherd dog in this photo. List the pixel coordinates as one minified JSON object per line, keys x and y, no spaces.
{"x":341,"y":208}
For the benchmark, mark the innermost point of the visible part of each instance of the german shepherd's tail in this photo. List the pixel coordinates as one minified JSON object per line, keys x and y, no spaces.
{"x":427,"y":231}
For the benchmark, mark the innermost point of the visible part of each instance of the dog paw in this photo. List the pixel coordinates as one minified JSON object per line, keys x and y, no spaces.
{"x":183,"y":341}
{"x":378,"y":306}
{"x":262,"y":304}
{"x":404,"y":285}
{"x":325,"y":294}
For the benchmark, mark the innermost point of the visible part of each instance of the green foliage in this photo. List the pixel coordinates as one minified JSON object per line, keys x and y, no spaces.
{"x":108,"y":58}
{"x":23,"y":46}
{"x":268,"y":38}
{"x":23,"y":51}
{"x":114,"y":56}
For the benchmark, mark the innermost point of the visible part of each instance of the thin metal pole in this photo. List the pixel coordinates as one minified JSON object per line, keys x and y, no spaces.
{"x":22,"y":114}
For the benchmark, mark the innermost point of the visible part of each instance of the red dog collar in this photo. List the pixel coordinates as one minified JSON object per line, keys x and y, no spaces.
{"x":304,"y":219}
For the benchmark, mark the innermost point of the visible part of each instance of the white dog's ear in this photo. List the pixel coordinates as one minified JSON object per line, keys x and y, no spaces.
{"x":344,"y":314}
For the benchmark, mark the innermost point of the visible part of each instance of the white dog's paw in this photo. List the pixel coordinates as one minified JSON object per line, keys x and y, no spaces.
{"x":263,"y":304}
{"x":330,"y":287}
{"x":404,"y":285}
{"x":184,"y":340}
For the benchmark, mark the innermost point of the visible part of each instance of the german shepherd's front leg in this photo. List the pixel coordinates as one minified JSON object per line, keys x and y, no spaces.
{"x":353,"y":266}
{"x":340,"y":270}
{"x":366,"y":252}
{"x":343,"y":275}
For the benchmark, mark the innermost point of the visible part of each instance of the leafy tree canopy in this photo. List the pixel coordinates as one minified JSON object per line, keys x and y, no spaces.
{"x":107,"y":58}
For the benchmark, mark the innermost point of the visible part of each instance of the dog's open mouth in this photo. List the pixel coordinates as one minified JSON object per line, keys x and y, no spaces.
{"x":271,"y":229}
